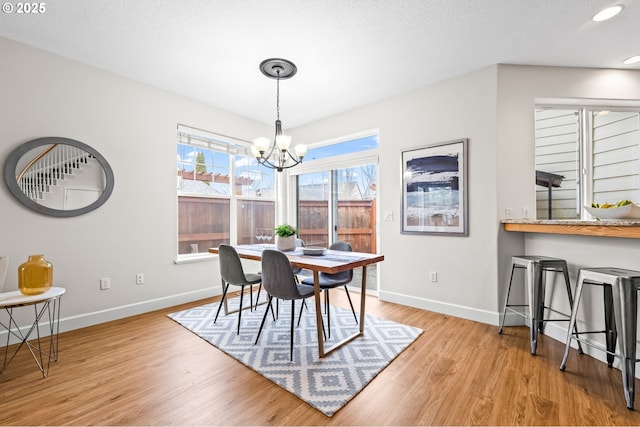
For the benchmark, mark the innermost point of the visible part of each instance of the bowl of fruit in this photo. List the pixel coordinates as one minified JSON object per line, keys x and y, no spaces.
{"x":624,"y":209}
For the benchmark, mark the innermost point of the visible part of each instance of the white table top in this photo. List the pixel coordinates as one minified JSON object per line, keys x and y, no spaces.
{"x":17,"y":299}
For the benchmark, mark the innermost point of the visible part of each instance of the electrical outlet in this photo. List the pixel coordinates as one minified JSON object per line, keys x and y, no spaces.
{"x":525,"y":213}
{"x":105,"y":283}
{"x":433,"y":276}
{"x":139,"y":279}
{"x":508,"y":213}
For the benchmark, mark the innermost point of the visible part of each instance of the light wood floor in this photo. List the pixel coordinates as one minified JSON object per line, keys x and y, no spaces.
{"x":148,"y":370}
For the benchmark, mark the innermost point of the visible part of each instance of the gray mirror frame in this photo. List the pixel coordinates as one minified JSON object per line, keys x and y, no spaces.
{"x":10,"y":176}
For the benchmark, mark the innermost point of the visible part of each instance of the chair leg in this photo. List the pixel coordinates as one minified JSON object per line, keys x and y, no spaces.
{"x":567,"y":282}
{"x":625,"y":307}
{"x":506,"y":301}
{"x":240,"y":309}
{"x":534,"y":277}
{"x":351,"y":304}
{"x":293,"y":310}
{"x":304,"y":305}
{"x":542,"y":291}
{"x":324,"y":332}
{"x":224,"y":295}
{"x":572,"y":321}
{"x":258,"y":296}
{"x":328,"y":311}
{"x":610,"y":325}
{"x":264,"y":318}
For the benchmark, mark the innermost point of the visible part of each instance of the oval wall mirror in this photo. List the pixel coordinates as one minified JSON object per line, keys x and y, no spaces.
{"x":59,"y":177}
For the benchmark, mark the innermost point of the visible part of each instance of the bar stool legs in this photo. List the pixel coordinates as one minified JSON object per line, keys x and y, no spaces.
{"x":621,"y":308}
{"x":535,"y":277}
{"x":536,"y":280}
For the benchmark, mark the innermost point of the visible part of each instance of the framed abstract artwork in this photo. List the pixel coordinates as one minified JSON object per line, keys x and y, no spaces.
{"x":434,"y":189}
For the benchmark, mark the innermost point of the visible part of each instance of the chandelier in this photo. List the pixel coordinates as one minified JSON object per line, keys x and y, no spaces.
{"x":277,"y":155}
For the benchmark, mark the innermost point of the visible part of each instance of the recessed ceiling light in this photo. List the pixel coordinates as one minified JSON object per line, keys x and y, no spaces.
{"x":607,"y":13}
{"x":631,"y":60}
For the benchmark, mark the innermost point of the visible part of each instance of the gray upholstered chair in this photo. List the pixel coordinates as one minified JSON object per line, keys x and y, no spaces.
{"x":330,"y":281}
{"x":232,"y":273}
{"x":279,"y":282}
{"x":296,"y":271}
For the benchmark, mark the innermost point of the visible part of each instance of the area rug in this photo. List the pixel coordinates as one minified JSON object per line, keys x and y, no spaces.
{"x":326,"y":384}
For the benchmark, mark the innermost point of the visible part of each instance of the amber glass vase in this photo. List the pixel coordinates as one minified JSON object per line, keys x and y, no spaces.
{"x":35,"y":276}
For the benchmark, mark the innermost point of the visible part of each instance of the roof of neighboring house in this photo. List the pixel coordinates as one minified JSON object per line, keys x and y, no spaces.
{"x":204,"y":188}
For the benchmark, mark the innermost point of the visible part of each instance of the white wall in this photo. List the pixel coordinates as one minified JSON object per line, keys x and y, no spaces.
{"x":134,"y":127}
{"x":462,"y":107}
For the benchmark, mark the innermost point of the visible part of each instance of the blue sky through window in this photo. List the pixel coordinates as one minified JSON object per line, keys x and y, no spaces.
{"x":352,"y":146}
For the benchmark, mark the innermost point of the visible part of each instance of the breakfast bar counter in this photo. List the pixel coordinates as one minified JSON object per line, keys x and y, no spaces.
{"x":604,"y":228}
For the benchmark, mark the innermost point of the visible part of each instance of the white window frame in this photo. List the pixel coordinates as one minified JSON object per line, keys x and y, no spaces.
{"x":234,"y":146}
{"x":585,"y":144}
{"x":330,"y":164}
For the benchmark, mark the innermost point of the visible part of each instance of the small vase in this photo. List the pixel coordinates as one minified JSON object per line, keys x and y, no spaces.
{"x":35,"y":276}
{"x":286,"y":243}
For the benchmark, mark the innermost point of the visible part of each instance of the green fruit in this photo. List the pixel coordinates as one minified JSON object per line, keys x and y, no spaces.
{"x":595,"y":205}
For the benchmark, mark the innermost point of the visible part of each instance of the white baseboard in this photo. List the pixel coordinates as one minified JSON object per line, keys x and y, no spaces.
{"x":456,"y":310}
{"x":556,"y":331}
{"x":89,"y":319}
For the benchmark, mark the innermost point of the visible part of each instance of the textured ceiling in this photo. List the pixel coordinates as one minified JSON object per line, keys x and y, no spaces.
{"x":348,"y":52}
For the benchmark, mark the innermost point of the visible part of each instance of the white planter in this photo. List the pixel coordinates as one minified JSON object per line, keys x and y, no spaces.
{"x":286,"y":243}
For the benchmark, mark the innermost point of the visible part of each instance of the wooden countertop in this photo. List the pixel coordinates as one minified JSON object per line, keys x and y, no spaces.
{"x":604,"y":228}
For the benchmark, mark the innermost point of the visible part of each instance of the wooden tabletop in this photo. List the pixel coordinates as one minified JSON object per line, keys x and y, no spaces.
{"x":604,"y":228}
{"x":330,"y":262}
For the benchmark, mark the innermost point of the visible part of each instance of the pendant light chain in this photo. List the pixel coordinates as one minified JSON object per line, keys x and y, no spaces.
{"x":278,"y":95}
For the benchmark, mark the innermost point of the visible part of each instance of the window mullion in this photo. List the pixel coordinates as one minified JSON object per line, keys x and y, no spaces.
{"x":233,"y":202}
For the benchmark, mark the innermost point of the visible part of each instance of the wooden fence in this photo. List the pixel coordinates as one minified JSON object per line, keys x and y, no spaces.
{"x":203,"y":222}
{"x":356,"y":223}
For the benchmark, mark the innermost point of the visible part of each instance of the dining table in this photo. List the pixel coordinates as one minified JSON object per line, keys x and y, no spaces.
{"x":328,"y":261}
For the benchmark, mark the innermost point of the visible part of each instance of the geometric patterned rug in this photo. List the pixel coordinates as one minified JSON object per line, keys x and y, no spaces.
{"x":326,"y":384}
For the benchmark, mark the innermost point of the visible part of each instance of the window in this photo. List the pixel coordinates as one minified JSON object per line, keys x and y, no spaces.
{"x":224,"y":195}
{"x":585,"y":155}
{"x":336,"y":197}
{"x":331,"y":149}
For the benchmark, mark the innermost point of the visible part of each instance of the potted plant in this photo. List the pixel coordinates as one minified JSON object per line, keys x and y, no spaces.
{"x":286,"y":237}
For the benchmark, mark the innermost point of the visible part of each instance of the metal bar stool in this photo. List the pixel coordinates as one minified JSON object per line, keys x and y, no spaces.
{"x":536,"y":268}
{"x":620,"y":307}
